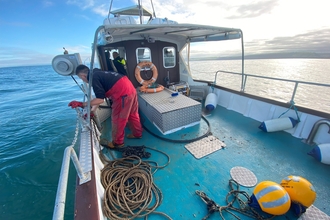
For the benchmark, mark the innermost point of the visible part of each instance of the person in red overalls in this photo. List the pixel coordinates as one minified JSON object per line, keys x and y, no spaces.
{"x":121,"y":91}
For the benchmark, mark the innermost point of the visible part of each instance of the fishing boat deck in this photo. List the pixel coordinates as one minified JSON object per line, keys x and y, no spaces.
{"x":270,"y":156}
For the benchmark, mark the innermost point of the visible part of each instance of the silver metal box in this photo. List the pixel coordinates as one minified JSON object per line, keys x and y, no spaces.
{"x":170,"y":114}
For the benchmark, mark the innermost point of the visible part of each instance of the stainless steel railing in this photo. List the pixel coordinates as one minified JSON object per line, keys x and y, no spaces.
{"x":84,"y":177}
{"x":63,"y":181}
{"x":245,"y":77}
{"x":315,"y":128}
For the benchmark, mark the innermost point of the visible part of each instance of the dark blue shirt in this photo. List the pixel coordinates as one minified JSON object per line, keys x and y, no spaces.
{"x":104,"y":81}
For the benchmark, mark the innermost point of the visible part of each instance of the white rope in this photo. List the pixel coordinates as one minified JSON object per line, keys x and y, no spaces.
{"x":81,"y":118}
{"x":74,"y":141}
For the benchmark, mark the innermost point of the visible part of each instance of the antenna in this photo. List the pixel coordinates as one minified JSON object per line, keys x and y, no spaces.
{"x":140,"y":11}
{"x":153,"y":9}
{"x":65,"y":51}
{"x":110,"y":10}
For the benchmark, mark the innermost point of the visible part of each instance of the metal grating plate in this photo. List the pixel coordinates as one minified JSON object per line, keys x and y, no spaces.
{"x":313,"y":213}
{"x":205,"y":146}
{"x":164,"y":102}
{"x":85,"y":153}
{"x":243,"y":176}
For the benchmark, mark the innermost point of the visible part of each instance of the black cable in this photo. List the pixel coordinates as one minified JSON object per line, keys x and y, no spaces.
{"x":104,"y":106}
{"x":183,"y":141}
{"x":81,"y":88}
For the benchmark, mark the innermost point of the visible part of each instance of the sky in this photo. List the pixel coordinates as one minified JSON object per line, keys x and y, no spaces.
{"x":32,"y":32}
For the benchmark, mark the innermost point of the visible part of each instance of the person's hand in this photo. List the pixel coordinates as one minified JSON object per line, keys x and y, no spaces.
{"x":75,"y":104}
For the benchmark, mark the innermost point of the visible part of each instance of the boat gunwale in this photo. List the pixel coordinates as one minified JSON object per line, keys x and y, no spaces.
{"x":86,"y":200}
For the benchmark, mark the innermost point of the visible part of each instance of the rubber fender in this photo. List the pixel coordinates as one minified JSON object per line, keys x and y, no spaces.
{"x":321,"y":153}
{"x":211,"y":101}
{"x":278,"y":124}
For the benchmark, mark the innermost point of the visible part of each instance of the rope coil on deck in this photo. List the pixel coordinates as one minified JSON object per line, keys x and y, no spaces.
{"x":129,"y":189}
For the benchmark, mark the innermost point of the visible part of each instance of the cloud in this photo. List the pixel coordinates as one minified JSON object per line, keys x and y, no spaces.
{"x":16,"y":56}
{"x":101,"y":10}
{"x":311,"y":41}
{"x":95,"y":6}
{"x":173,"y":10}
{"x":309,"y":44}
{"x":82,"y":16}
{"x":47,"y":4}
{"x":254,"y":9}
{"x":13,"y":23}
{"x":83,"y":4}
{"x":76,"y":49}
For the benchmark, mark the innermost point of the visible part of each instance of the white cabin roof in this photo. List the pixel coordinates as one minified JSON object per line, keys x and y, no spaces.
{"x":187,"y":32}
{"x":132,"y":11}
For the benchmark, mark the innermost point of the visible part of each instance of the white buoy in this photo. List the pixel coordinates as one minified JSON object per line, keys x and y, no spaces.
{"x":211,"y":101}
{"x":321,"y":153}
{"x":278,"y":124}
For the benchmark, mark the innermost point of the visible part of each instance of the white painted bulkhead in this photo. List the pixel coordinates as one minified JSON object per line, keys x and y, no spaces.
{"x":261,"y":111}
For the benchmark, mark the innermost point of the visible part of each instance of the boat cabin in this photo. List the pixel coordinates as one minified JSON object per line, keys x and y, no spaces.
{"x":160,"y":41}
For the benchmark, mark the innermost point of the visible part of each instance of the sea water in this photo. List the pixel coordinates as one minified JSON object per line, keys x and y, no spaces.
{"x":302,"y":70}
{"x":37,"y":124}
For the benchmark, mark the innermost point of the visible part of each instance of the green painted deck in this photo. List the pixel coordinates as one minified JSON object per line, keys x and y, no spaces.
{"x":271,"y":156}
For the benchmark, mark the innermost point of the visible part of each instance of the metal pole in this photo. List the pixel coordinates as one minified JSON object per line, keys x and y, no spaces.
{"x":140,"y":11}
{"x":59,"y":208}
{"x":62,"y":186}
{"x":242,"y":83}
{"x":91,"y":74}
{"x":294,"y":91}
{"x":76,"y":163}
{"x":315,"y":128}
{"x":215,"y":77}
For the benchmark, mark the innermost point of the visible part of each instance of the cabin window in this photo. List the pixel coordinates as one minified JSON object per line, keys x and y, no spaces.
{"x":169,"y":57}
{"x":143,"y":54}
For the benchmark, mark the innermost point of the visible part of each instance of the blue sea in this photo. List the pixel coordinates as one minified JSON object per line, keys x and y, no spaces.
{"x":37,"y":125}
{"x":303,"y":70}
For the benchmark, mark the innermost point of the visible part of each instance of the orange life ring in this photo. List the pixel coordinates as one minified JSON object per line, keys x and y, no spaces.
{"x":146,"y":89}
{"x":142,"y":65}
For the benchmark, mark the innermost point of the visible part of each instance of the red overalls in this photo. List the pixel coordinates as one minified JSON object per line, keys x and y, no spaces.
{"x":124,"y":109}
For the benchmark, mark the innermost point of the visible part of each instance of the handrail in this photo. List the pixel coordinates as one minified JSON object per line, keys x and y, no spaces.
{"x":63,"y":181}
{"x":315,"y":128}
{"x":69,"y":152}
{"x":243,"y":73}
{"x":245,"y":76}
{"x":90,"y":83}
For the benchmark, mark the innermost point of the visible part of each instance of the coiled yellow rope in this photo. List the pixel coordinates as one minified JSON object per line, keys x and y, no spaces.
{"x":129,"y":189}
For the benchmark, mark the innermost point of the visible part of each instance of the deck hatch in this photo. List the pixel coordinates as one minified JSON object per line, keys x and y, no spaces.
{"x":205,"y":146}
{"x":243,"y":176}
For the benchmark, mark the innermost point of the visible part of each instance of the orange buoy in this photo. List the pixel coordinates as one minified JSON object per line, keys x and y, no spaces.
{"x":146,"y":89}
{"x":142,"y":65}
